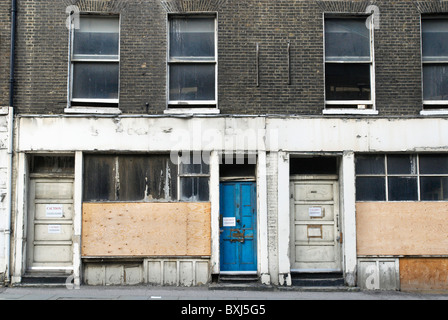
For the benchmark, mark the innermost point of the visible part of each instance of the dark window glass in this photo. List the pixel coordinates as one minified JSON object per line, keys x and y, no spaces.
{"x":99,"y":178}
{"x":347,"y":40}
{"x":97,"y":37}
{"x":370,"y":189}
{"x":401,"y":164}
{"x":433,"y":164}
{"x":434,"y":188}
{"x":52,"y":164}
{"x":347,"y":81}
{"x":192,"y":82}
{"x":192,"y":37}
{"x":370,"y":164}
{"x":95,"y":80}
{"x":435,"y":82}
{"x":402,"y":188}
{"x":435,"y":39}
{"x":314,"y":165}
{"x":194,"y":189}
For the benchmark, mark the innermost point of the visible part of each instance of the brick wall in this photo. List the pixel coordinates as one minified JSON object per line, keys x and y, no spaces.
{"x":5,"y":35}
{"x":42,"y":54}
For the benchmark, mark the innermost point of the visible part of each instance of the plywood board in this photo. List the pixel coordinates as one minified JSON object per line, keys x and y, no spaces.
{"x":402,"y":228}
{"x":146,"y":229}
{"x":424,"y":274}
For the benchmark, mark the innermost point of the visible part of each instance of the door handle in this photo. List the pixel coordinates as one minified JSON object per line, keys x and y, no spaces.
{"x":238,"y":220}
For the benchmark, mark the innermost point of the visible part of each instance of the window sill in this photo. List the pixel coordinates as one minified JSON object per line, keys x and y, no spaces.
{"x":350,"y":111}
{"x":439,"y":112}
{"x":192,"y":111}
{"x":92,"y":110}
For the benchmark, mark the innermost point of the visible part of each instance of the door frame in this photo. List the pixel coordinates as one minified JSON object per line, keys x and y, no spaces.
{"x":256,"y":226}
{"x":19,"y":258}
{"x":310,"y":179}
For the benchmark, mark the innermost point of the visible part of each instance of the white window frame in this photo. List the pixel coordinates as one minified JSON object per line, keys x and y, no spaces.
{"x":442,"y":104}
{"x":97,"y":109}
{"x":364,"y":107}
{"x":189,"y":106}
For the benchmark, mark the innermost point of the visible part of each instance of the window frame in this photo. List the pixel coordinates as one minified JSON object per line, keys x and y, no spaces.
{"x":351,"y":106}
{"x":191,"y":106}
{"x":431,"y":107}
{"x":192,"y":156}
{"x":386,"y":175}
{"x":94,"y":106}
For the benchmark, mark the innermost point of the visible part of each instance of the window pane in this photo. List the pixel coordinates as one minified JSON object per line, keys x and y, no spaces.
{"x":95,"y":80}
{"x":347,"y":40}
{"x":434,"y":188}
{"x":401,"y":164}
{"x":97,"y":36}
{"x":195,"y":162}
{"x":370,"y":189}
{"x":194,"y":189}
{"x":192,"y":37}
{"x":192,"y":82}
{"x":402,"y":188}
{"x":347,"y":81}
{"x":433,"y":164}
{"x":435,"y":82}
{"x":99,"y":178}
{"x":435,"y":40}
{"x":370,"y":164}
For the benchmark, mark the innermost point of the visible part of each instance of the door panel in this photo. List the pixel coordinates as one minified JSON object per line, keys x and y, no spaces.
{"x":314,"y":225}
{"x":50,"y":224}
{"x":238,"y":238}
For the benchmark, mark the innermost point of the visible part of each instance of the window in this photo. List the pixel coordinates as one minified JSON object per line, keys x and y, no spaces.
{"x":349,"y":70}
{"x":402,"y":177}
{"x":192,"y":62}
{"x":144,"y":178}
{"x":435,"y":63}
{"x":95,"y":62}
{"x":194,"y":176}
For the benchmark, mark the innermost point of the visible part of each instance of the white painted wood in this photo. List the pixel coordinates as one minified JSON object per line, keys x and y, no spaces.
{"x":214,"y":199}
{"x":284,"y":266}
{"x":262,"y":219}
{"x":314,"y":239}
{"x":348,"y":196}
{"x":19,"y":233}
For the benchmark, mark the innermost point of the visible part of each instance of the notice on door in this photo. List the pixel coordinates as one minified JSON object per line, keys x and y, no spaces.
{"x":316,"y":212}
{"x":54,"y":229}
{"x":229,"y":222}
{"x":54,"y":210}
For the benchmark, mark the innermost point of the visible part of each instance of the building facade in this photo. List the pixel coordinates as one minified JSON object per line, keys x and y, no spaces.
{"x":182,"y":142}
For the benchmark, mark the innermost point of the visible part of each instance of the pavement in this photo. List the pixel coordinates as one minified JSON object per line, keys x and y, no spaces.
{"x":156,"y":293}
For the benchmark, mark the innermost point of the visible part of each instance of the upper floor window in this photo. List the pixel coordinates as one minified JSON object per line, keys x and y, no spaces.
{"x":95,"y":62}
{"x":349,"y":70}
{"x":192,"y":62}
{"x":435,"y":63}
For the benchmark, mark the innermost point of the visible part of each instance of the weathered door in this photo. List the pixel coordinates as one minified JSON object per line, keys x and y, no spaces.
{"x":50,"y":224}
{"x":238,"y":230}
{"x":315,"y":233}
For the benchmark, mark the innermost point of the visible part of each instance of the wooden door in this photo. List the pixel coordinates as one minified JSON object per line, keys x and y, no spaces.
{"x":315,"y":231}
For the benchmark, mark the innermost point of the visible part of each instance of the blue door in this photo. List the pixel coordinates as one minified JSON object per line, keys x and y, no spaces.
{"x":238,"y":240}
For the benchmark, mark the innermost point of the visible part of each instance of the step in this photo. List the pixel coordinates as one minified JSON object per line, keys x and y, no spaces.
{"x":44,"y":279}
{"x":317,"y":279}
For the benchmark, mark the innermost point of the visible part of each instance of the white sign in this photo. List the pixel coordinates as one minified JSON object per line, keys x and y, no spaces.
{"x":315,"y":212}
{"x":54,"y":210}
{"x":54,"y":228}
{"x":228,"y":222}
